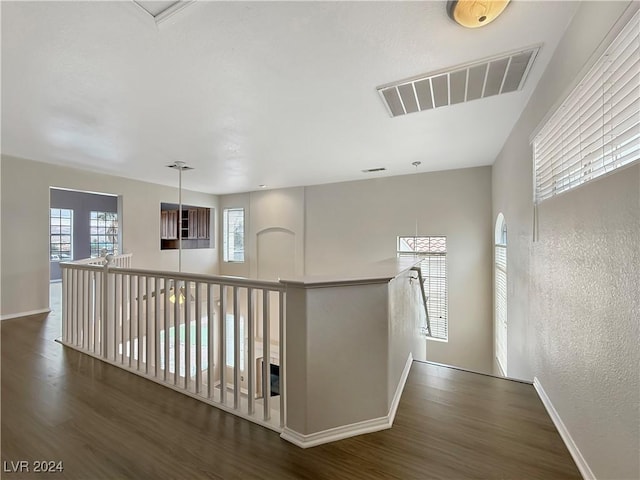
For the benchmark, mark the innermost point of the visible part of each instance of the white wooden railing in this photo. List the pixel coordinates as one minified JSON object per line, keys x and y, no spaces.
{"x":123,"y":260}
{"x":166,"y":326}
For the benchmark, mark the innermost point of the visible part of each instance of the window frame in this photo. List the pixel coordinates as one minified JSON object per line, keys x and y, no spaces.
{"x":226,"y":257}
{"x":59,"y":234}
{"x":115,"y":245}
{"x":595,"y":130}
{"x":432,"y":282}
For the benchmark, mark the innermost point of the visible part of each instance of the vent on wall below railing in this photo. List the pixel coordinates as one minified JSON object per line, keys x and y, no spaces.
{"x":503,"y":74}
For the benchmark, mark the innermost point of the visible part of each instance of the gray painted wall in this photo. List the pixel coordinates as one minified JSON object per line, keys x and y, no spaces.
{"x":82,"y":204}
{"x":573,"y":294}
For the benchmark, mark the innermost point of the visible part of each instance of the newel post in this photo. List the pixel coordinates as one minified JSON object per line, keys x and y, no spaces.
{"x":108,"y":261}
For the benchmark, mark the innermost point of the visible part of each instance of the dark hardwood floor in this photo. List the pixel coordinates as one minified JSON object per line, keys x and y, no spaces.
{"x":102,"y":422}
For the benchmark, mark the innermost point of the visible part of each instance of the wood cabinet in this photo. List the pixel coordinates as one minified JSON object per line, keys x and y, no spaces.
{"x":169,"y":224}
{"x":195,"y":227}
{"x":192,"y":220}
{"x":204,"y":218}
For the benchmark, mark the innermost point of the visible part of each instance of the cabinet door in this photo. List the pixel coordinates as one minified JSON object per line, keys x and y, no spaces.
{"x":203,"y":223}
{"x":172,"y":224}
{"x":193,"y":223}
{"x":164,"y":220}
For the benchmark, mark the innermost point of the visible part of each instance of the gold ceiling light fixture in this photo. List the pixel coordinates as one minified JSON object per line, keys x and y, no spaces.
{"x":473,"y":13}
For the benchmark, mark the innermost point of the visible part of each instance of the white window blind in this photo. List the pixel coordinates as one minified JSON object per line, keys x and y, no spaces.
{"x":501,"y":306}
{"x":233,"y":234}
{"x":433,"y":252}
{"x":597,"y":128}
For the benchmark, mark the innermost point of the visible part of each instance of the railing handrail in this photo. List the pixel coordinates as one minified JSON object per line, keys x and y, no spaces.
{"x":192,"y":277}
{"x":96,"y":260}
{"x":424,"y":298}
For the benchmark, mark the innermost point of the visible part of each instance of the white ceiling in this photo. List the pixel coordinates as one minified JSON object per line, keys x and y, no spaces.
{"x":276,"y":93}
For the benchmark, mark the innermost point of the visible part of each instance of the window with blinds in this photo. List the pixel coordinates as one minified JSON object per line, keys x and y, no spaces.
{"x":233,"y":235}
{"x":597,"y":128}
{"x":500,"y":292}
{"x":501,"y":306}
{"x":433,"y":252}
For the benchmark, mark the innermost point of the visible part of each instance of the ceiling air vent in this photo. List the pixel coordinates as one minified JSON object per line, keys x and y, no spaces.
{"x":372,"y":170}
{"x":503,"y":74}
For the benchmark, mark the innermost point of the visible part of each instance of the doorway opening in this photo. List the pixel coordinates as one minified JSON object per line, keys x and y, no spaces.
{"x":81,"y":225}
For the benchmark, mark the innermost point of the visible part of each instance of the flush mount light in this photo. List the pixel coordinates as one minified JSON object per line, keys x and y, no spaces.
{"x":474,"y":14}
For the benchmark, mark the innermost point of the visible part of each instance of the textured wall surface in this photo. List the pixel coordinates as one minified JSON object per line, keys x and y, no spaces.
{"x":585,"y":286}
{"x":350,"y":224}
{"x":355,"y":223}
{"x":573,"y":294}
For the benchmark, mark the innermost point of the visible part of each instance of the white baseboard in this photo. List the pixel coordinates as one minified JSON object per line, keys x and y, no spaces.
{"x":10,"y":316}
{"x":581,"y":463}
{"x":337,"y":433}
{"x":358,"y":428}
{"x":399,"y":389}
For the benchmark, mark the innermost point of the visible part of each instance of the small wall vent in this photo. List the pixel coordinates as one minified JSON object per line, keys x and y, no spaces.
{"x":372,"y":170}
{"x":502,"y":74}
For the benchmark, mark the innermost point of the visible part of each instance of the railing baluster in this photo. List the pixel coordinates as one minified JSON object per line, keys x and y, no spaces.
{"x":252,"y":354}
{"x":116,"y":314}
{"x":132,"y":320}
{"x":86,"y":294}
{"x":281,"y":353}
{"x":104,"y":312}
{"x":106,"y":307}
{"x":63,"y":299}
{"x":97,"y":312}
{"x":139,"y":336}
{"x":222,"y":339}
{"x":167,"y":321}
{"x":266,"y":357}
{"x":147,"y":315}
{"x":209,"y":341}
{"x":236,"y":349}
{"x":65,"y":304}
{"x":176,"y":331}
{"x":198,"y":339}
{"x":81,"y":314}
{"x":187,"y":334}
{"x":71,"y":304}
{"x":79,"y":309}
{"x":79,"y":317}
{"x":91,"y":310}
{"x":123,"y":308}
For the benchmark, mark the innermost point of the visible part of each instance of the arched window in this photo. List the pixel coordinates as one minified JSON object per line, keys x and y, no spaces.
{"x":500,"y":290}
